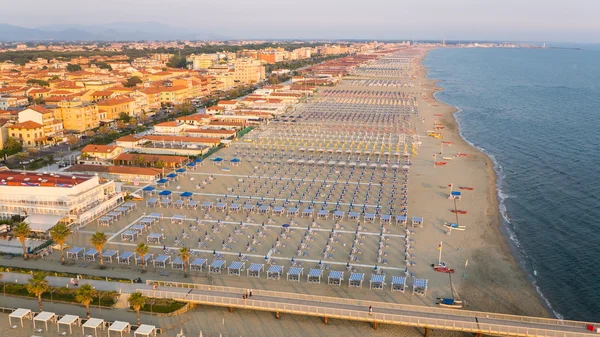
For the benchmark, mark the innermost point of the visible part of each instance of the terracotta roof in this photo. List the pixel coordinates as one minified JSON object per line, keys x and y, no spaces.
{"x":40,"y":109}
{"x":141,"y":171}
{"x":26,"y":125}
{"x":227,"y":102}
{"x":182,"y":139}
{"x":60,"y":92}
{"x":170,"y":123}
{"x":214,"y":107}
{"x":102,"y":93}
{"x":210,"y":131}
{"x":115,"y":101}
{"x":16,"y":178}
{"x":38,"y":91}
{"x":94,"y":148}
{"x":128,"y":138}
{"x":215,"y":123}
{"x":149,"y":158}
{"x":196,"y":117}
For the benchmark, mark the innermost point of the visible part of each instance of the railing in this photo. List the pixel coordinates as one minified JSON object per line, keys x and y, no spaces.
{"x":381,"y":305}
{"x":409,"y":320}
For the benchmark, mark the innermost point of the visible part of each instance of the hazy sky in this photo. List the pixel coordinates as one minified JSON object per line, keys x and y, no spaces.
{"x":542,"y":20}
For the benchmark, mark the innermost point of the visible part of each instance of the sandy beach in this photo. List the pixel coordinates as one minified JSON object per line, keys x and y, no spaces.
{"x":494,"y":280}
{"x":491,"y":280}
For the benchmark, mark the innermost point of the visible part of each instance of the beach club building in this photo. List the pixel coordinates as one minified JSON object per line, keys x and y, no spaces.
{"x":47,"y":199}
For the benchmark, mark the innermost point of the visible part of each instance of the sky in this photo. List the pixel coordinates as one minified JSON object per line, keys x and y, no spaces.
{"x":510,"y":20}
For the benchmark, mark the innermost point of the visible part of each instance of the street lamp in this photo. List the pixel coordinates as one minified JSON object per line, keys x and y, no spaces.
{"x":52,"y":292}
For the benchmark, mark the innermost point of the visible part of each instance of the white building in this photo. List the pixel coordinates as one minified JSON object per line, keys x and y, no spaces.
{"x":74,"y":199}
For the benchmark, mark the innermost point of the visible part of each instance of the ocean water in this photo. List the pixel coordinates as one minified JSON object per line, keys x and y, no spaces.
{"x":536,"y":112}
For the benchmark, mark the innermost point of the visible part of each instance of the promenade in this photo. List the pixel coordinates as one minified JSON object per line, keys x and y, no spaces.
{"x":345,"y":309}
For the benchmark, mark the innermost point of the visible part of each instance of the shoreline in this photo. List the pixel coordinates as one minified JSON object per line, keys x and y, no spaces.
{"x":496,"y":222}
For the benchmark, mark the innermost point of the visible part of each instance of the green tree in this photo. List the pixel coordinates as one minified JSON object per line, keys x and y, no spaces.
{"x":39,"y":101}
{"x":59,"y":234}
{"x":132,"y":82}
{"x":37,"y":285}
{"x":184,"y":254}
{"x":124,"y":116}
{"x":84,"y":295}
{"x":177,"y":62}
{"x":22,"y":231}
{"x":13,"y":143}
{"x":139,"y":160}
{"x":137,"y":301}
{"x":98,"y":240}
{"x":142,"y":250}
{"x":104,"y":65}
{"x":73,"y":67}
{"x":38,"y":82}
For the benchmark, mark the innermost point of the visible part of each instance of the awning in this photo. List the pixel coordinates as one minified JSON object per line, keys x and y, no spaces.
{"x":42,"y":223}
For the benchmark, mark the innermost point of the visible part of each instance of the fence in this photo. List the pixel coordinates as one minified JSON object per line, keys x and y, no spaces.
{"x":421,"y":320}
{"x":383,"y":305}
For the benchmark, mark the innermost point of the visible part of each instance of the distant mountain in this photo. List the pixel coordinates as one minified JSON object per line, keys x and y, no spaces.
{"x":116,"y":31}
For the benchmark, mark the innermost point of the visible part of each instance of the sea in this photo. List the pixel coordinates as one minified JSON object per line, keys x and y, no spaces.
{"x":536,"y":113}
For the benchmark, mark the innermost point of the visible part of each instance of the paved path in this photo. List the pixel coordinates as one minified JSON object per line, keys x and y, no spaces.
{"x":321,"y":306}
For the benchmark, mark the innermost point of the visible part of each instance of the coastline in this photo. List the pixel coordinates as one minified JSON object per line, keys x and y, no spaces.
{"x":530,"y":301}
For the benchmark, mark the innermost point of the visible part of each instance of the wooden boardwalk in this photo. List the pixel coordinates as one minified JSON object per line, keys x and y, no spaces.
{"x":383,"y":313}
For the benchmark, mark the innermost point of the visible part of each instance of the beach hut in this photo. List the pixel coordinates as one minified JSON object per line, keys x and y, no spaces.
{"x":356,"y":280}
{"x":145,"y":330}
{"x":295,"y":273}
{"x":398,"y":283}
{"x":274,"y":272}
{"x":255,"y":269}
{"x":129,"y":235}
{"x":75,"y":253}
{"x":45,"y":317}
{"x":148,"y":190}
{"x":68,"y":320}
{"x":155,"y":238}
{"x":235,"y":268}
{"x":377,"y":281}
{"x":420,"y":287}
{"x":120,"y":327}
{"x":417,"y":221}
{"x":198,"y":264}
{"x":161,"y":261}
{"x":126,"y":257}
{"x":91,"y":255}
{"x":314,"y":276}
{"x":335,"y":278}
{"x":401,"y":219}
{"x":216,"y":266}
{"x":147,"y":259}
{"x":93,"y":323}
{"x":109,"y":255}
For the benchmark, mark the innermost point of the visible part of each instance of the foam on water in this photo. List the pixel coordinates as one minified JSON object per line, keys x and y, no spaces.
{"x":534,"y":118}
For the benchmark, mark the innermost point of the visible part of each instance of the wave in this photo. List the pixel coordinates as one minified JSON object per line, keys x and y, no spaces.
{"x":521,"y":256}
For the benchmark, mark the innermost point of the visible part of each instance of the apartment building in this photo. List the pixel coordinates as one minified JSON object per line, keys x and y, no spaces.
{"x":52,"y":126}
{"x":76,"y":115}
{"x":248,"y":71}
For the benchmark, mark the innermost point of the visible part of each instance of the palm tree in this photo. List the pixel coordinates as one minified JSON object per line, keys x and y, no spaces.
{"x":98,"y":241}
{"x":37,"y":286}
{"x":59,"y":234}
{"x":137,"y":301}
{"x":184,"y":254}
{"x":84,"y":295}
{"x":22,"y":231}
{"x":142,"y":251}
